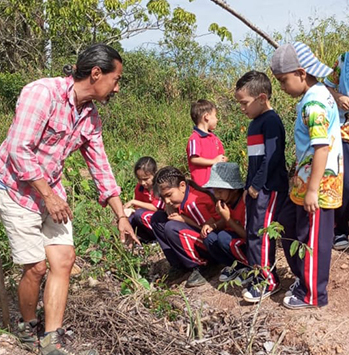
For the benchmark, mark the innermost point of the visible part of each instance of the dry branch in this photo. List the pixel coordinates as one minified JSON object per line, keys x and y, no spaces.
{"x":254,"y":28}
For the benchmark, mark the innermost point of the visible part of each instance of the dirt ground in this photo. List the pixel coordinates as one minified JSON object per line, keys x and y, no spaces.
{"x":317,"y":331}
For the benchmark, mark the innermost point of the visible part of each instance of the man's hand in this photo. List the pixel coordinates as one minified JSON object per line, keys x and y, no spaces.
{"x":127,"y":235}
{"x":58,"y":209}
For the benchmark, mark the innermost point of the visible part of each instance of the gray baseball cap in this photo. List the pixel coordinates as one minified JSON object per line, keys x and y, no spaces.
{"x":225,"y":176}
{"x":291,"y":57}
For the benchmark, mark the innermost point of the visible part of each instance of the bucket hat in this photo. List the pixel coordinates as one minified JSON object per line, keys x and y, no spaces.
{"x":290,"y":57}
{"x":225,"y":176}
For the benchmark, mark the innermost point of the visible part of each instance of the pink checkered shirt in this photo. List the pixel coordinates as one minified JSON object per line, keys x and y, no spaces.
{"x":43,"y":134}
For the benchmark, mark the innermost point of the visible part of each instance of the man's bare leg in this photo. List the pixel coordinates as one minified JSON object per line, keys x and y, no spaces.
{"x":28,"y":289}
{"x":61,"y":260}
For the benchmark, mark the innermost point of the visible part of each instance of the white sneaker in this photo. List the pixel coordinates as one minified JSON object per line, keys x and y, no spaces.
{"x":295,"y":284}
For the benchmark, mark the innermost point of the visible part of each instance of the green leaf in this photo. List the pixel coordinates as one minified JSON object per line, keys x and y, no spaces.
{"x":301,"y":251}
{"x":96,"y":256}
{"x":145,"y":283}
{"x":94,"y":238}
{"x":294,"y":247}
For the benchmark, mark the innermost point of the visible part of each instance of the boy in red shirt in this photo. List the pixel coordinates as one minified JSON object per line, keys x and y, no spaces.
{"x":204,"y":148}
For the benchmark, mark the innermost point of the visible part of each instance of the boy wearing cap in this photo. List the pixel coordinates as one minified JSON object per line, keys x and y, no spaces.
{"x":267,"y":181}
{"x":204,"y":148}
{"x":308,"y":213}
{"x":338,"y":85}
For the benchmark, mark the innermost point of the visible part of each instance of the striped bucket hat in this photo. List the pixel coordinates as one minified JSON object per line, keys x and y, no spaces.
{"x":291,"y":57}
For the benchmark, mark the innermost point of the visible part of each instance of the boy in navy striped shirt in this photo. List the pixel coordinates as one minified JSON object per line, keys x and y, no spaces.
{"x":267,"y":181}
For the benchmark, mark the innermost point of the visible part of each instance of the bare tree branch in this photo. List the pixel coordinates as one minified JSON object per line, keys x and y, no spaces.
{"x":225,"y":6}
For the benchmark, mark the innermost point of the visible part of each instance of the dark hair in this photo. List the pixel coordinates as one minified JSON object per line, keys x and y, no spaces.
{"x":172,"y":177}
{"x":100,"y":55}
{"x":199,"y":108}
{"x":255,"y":83}
{"x":147,"y":164}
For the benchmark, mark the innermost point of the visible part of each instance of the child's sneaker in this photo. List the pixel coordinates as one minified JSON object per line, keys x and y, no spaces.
{"x":290,"y":290}
{"x":239,"y":275}
{"x":253,"y":293}
{"x":228,"y":273}
{"x":56,"y":343}
{"x":340,"y":242}
{"x":195,"y":278}
{"x":292,"y":302}
{"x":27,"y":334}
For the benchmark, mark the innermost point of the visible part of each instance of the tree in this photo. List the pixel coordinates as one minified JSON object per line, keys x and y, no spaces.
{"x":30,"y":27}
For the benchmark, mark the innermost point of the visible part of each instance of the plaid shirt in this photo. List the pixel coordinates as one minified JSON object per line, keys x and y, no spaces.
{"x":43,"y":134}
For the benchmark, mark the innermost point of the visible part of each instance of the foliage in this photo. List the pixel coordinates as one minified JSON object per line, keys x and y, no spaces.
{"x":38,"y":33}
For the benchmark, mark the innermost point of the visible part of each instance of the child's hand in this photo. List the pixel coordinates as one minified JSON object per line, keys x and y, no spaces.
{"x":176,"y":217}
{"x":343,"y":102}
{"x":205,"y":230}
{"x":253,"y":192}
{"x":129,"y":204}
{"x":244,"y":196}
{"x":128,"y":211}
{"x":169,"y":210}
{"x":223,"y":210}
{"x":311,"y":201}
{"x":220,"y":158}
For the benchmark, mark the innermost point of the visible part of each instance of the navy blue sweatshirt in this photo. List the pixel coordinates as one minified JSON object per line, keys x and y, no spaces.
{"x":266,"y":153}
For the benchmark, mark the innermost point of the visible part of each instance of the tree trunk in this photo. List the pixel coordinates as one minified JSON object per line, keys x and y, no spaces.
{"x":3,"y":300}
{"x":225,"y":6}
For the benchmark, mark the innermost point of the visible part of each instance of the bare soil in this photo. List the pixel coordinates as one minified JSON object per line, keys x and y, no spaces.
{"x":209,"y":321}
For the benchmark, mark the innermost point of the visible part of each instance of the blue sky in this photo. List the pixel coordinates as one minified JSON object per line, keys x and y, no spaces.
{"x":268,"y":15}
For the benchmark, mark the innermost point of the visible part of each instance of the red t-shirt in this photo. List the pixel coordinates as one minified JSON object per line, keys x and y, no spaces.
{"x":238,"y":212}
{"x":204,"y":145}
{"x":198,"y":206}
{"x":142,"y":194}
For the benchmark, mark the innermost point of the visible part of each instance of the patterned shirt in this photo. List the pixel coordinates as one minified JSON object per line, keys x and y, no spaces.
{"x":142,"y":194}
{"x":205,"y":145}
{"x":339,"y":80}
{"x":43,"y":134}
{"x":318,"y":124}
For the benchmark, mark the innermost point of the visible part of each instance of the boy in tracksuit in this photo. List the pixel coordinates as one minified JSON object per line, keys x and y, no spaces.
{"x":308,"y":214}
{"x":338,"y":85}
{"x":267,"y":180}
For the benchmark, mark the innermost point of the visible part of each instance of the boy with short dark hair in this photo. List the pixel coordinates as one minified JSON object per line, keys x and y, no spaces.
{"x":204,"y":148}
{"x":267,"y":181}
{"x":308,"y":213}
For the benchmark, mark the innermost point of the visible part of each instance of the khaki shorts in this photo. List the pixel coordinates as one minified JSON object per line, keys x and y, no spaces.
{"x":29,"y":232}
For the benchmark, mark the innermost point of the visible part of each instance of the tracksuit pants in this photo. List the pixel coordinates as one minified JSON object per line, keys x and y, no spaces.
{"x":225,"y":247}
{"x":140,"y":222}
{"x":315,"y":230}
{"x":181,"y":243}
{"x":341,"y":214}
{"x":260,"y":249}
